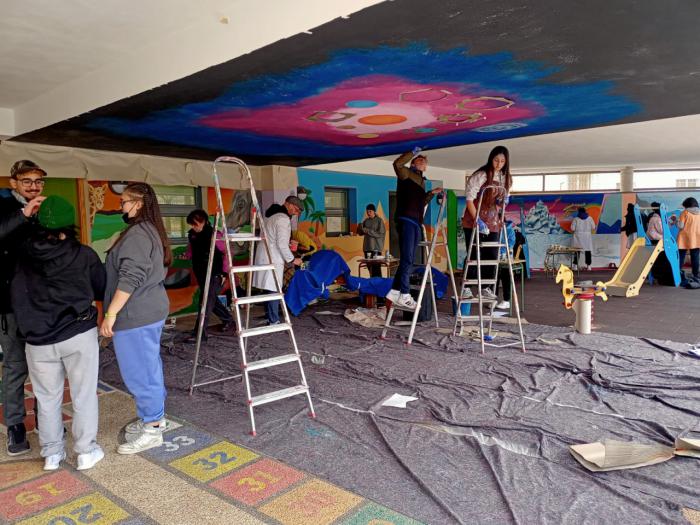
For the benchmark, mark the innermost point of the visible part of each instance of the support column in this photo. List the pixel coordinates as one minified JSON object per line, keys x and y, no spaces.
{"x":627,"y":179}
{"x":628,"y":196}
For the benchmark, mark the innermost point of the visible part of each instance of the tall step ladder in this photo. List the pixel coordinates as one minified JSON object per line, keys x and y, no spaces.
{"x":245,"y":333}
{"x":485,"y":336}
{"x":428,"y":247}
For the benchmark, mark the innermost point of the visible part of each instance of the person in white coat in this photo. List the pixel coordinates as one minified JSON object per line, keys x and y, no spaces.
{"x":278,"y":225}
{"x":583,"y":228}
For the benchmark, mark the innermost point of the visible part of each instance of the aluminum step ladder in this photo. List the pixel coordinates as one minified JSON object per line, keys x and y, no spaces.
{"x":428,"y":247}
{"x":244,"y":332}
{"x":485,"y":336}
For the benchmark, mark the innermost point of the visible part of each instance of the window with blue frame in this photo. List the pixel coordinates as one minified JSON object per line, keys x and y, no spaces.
{"x":337,"y":202}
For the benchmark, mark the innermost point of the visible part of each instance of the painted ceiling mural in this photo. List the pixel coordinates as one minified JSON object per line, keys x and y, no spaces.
{"x":387,"y":79}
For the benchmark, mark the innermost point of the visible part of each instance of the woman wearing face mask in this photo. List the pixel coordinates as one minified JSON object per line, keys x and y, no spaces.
{"x":136,"y":306}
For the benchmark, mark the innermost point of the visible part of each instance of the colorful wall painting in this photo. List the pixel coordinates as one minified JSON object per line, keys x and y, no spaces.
{"x":364,"y":189}
{"x":548,"y":219}
{"x":107,"y":224}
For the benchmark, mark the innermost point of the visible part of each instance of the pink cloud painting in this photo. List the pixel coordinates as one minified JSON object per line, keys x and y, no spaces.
{"x":379,"y":109}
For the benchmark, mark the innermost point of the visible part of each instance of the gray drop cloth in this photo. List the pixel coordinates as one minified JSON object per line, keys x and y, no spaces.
{"x":487,"y":441}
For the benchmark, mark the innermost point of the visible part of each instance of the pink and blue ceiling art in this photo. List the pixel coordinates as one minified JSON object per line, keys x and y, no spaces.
{"x":406,"y":73}
{"x":374,"y":102}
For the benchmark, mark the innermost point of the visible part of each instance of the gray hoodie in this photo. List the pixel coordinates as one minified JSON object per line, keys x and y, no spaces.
{"x":135,"y":266}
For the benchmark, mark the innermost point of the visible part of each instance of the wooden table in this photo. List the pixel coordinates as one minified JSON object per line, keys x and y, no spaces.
{"x":556,"y":251}
{"x":390,"y":264}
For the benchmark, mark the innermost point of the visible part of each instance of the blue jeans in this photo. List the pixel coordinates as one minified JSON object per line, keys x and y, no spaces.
{"x":138,"y":355}
{"x":694,"y":260}
{"x":272,"y":311}
{"x":409,"y":237}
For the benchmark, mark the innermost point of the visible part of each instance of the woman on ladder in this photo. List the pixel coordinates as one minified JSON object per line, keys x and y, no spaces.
{"x":496,"y":172}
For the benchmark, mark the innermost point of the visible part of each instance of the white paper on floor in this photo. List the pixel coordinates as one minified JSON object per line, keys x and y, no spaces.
{"x":398,"y":401}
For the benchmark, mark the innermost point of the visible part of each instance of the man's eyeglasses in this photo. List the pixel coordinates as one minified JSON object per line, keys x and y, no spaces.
{"x":28,"y":183}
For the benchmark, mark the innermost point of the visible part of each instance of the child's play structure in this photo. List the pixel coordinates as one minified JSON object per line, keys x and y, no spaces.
{"x":641,"y":257}
{"x":580,"y":297}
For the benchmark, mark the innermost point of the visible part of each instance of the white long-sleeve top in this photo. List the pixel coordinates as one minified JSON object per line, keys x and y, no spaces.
{"x":279,"y":232}
{"x":583,"y":233}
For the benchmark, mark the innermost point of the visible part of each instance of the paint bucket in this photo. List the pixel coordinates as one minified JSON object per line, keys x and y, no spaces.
{"x":465,"y":309}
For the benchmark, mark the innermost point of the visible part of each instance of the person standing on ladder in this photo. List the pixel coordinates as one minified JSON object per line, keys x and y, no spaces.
{"x":278,"y":225}
{"x":411,"y":199}
{"x":496,"y":172}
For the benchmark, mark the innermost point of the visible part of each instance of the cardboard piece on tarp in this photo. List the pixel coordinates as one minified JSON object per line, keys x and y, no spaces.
{"x":620,"y":455}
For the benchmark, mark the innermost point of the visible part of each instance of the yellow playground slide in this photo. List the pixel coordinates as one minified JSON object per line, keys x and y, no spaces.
{"x":634,"y":269}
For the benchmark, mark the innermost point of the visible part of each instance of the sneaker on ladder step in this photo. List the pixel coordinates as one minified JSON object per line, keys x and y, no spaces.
{"x":487,"y":293}
{"x":467,"y":294}
{"x":406,"y":301}
{"x":503,"y":305}
{"x":393,"y":296}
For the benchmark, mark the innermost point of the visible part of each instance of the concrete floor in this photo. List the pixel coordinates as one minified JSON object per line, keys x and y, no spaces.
{"x":659,"y":312}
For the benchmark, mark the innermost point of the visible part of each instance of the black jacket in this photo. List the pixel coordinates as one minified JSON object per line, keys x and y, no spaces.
{"x":15,"y":228}
{"x":200,"y":243}
{"x":53,"y":290}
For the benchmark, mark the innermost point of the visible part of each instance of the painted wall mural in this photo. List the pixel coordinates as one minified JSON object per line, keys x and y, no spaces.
{"x":429,"y":76}
{"x":364,"y":189}
{"x":547,"y":221}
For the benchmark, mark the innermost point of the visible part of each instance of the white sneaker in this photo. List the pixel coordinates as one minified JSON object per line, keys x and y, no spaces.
{"x":503,"y":305}
{"x":148,"y":439}
{"x":406,"y":301}
{"x":467,"y":294}
{"x":487,"y":293}
{"x":393,"y":296}
{"x":137,"y":427}
{"x":90,"y":459}
{"x":53,"y":462}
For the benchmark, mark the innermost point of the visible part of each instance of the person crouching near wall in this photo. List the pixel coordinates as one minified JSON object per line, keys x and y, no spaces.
{"x":135,"y":312}
{"x":53,"y":291}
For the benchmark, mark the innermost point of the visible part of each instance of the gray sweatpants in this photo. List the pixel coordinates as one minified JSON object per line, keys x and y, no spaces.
{"x":77,"y":358}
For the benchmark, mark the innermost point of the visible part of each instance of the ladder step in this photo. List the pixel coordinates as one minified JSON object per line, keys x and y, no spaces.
{"x":476,"y":281}
{"x":262,"y":298}
{"x":427,"y":243}
{"x":491,"y":244}
{"x":261,"y":330}
{"x":278,"y":394}
{"x":237,"y":237}
{"x":402,"y":308}
{"x":485,"y":262}
{"x":476,"y":300}
{"x":272,"y":361}
{"x":256,"y":268}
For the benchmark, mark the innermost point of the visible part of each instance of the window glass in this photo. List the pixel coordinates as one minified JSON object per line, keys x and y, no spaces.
{"x":581,"y":181}
{"x":337,"y":211}
{"x":527,"y":183}
{"x":666,"y":179}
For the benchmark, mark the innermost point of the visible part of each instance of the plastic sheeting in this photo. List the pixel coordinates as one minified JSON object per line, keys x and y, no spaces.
{"x":488,"y":439}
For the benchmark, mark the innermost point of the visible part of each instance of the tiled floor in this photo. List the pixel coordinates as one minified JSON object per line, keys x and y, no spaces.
{"x":195,"y":477}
